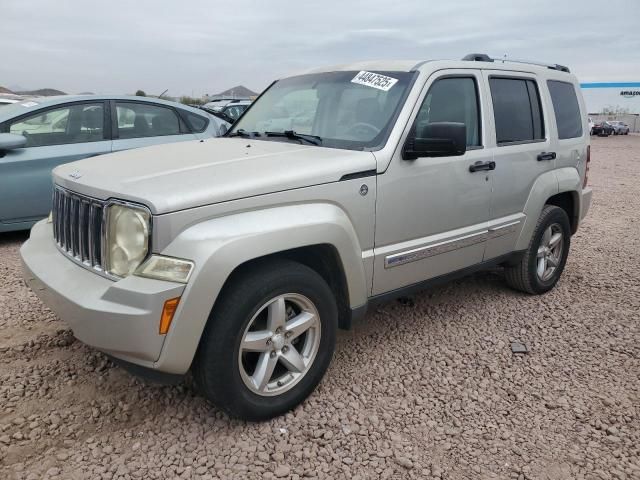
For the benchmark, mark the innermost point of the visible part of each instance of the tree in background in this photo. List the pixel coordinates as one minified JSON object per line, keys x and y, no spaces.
{"x":140,"y":93}
{"x":617,"y":110}
{"x":191,"y":101}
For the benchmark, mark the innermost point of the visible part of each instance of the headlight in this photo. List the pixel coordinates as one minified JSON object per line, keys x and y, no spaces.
{"x":127,"y":238}
{"x":166,"y":268}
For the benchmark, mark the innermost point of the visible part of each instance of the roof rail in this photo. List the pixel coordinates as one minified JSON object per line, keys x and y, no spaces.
{"x":483,"y":57}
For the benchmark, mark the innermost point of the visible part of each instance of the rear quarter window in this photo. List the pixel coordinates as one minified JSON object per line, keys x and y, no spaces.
{"x":566,"y":109}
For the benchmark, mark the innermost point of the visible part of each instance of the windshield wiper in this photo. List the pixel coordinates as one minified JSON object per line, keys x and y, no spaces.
{"x":239,"y":133}
{"x":243,"y":133}
{"x":312,"y":139}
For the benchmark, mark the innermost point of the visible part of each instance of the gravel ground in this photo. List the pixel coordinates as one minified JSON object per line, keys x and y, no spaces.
{"x":427,"y":388}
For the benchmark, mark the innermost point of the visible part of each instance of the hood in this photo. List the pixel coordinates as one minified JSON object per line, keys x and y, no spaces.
{"x":183,"y":175}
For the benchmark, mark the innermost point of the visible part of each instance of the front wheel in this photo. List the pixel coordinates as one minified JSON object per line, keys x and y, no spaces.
{"x":543,"y":262}
{"x":268,"y":341}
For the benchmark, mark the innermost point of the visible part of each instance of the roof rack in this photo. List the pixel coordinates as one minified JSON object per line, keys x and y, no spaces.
{"x":483,"y":57}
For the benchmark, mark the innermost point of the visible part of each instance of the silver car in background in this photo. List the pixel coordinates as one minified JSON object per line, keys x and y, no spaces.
{"x":4,"y":101}
{"x":619,"y":128}
{"x":227,"y":110}
{"x":38,"y":135}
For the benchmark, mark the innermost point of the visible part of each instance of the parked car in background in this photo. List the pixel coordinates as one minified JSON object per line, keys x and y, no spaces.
{"x":602,"y":129}
{"x":7,"y":101}
{"x":619,"y":128}
{"x":38,"y":135}
{"x":228,"y":110}
{"x":220,"y":102}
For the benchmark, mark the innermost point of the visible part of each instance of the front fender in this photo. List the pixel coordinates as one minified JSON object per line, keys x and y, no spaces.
{"x":218,"y":246}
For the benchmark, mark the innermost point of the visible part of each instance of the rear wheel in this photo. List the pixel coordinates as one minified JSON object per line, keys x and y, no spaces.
{"x":543,"y":262}
{"x":268,"y":342}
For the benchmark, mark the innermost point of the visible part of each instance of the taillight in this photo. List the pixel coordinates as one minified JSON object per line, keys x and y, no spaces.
{"x":586,"y":167}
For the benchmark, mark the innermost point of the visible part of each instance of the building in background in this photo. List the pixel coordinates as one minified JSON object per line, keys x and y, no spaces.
{"x":239,"y":92}
{"x":614,"y":101}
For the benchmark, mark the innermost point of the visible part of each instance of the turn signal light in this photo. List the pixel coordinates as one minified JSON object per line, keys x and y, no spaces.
{"x":169,"y":309}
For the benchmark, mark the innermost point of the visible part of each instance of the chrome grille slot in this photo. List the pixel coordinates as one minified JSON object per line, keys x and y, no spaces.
{"x":77,"y":226}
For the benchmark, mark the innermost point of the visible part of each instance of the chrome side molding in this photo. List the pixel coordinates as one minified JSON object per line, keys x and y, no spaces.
{"x":447,"y":246}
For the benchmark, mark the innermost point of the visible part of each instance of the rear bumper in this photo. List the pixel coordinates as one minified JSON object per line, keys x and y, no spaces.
{"x":119,"y":318}
{"x":585,"y":204}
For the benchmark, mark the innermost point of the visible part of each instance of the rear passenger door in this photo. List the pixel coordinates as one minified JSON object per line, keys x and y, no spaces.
{"x":522,"y":151}
{"x":140,"y":124}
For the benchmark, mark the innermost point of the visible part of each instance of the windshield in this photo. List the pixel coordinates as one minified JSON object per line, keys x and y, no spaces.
{"x":351,"y":110}
{"x":15,"y":109}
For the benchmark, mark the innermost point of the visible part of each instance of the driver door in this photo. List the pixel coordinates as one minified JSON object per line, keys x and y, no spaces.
{"x":432,"y":213}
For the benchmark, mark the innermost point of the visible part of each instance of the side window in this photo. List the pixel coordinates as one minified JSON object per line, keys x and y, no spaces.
{"x":566,"y":109}
{"x":136,"y":120}
{"x":197,"y":122}
{"x":517,"y":111}
{"x":69,"y":124}
{"x":453,"y":99}
{"x":235,"y":111}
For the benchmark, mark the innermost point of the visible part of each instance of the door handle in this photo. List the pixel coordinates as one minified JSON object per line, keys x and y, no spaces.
{"x":546,"y":156}
{"x":481,"y":166}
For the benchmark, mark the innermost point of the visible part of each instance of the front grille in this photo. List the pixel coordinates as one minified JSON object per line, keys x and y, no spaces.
{"x":77,"y":226}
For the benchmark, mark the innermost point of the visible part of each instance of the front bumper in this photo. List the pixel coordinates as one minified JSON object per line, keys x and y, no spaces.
{"x":120,"y":318}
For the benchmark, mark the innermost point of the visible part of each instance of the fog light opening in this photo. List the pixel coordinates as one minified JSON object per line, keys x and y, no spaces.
{"x":169,"y":309}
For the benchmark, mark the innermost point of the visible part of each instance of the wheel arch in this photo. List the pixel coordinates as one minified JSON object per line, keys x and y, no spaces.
{"x":569,"y":202}
{"x":558,"y":187}
{"x":322,"y":258}
{"x":318,"y":235}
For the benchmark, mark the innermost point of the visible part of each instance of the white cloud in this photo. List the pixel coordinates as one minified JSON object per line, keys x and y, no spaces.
{"x":203,"y":47}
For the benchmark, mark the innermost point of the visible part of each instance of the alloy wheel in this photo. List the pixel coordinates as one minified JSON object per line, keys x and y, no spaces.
{"x":549,"y":252}
{"x":279,"y":344}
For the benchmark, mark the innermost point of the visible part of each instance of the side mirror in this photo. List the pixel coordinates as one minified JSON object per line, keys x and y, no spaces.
{"x":10,"y":141}
{"x":438,"y":139}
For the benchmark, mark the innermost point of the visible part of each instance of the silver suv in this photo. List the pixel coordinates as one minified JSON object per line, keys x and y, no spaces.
{"x":238,"y":258}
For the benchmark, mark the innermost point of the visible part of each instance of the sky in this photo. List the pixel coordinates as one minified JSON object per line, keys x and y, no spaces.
{"x":204,"y":46}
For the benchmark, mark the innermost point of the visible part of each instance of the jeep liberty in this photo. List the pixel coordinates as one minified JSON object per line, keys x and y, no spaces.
{"x":238,"y":258}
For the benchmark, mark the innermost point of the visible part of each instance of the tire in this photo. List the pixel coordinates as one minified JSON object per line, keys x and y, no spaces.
{"x":223,"y":371}
{"x":524,"y":276}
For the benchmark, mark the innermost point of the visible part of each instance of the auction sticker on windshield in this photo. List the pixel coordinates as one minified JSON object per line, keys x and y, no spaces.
{"x":374,"y":80}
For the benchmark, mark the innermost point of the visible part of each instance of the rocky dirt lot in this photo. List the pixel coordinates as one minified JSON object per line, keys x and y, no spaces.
{"x":423,"y":389}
